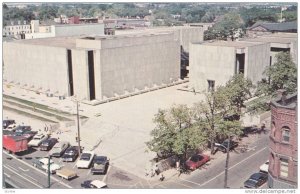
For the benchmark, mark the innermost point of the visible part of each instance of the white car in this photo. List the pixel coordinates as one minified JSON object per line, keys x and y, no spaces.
{"x":37,"y":140}
{"x":264,"y":167}
{"x":43,"y":164}
{"x":85,"y":159}
{"x":59,"y":148}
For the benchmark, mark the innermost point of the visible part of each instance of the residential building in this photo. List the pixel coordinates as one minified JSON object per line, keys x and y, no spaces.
{"x":283,"y":143}
{"x":94,"y":68}
{"x":16,"y":30}
{"x":263,"y":28}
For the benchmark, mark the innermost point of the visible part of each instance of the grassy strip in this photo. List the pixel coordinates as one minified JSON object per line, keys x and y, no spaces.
{"x":27,"y":114}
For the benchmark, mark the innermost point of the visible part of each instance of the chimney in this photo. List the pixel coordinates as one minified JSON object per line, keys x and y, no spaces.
{"x":282,"y":95}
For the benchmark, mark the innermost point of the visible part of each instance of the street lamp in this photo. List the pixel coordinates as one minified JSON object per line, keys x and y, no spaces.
{"x":49,"y":173}
{"x":78,"y":127}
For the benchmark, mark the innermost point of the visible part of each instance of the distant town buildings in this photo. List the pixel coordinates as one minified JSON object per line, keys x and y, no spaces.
{"x":21,"y":28}
{"x":283,"y":160}
{"x":263,"y":28}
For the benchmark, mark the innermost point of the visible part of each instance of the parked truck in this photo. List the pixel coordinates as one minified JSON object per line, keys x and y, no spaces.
{"x":15,"y":144}
{"x":66,"y":173}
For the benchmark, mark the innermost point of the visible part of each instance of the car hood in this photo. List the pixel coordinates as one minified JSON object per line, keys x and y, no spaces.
{"x":54,"y":151}
{"x":82,"y":163}
{"x":98,"y":166}
{"x":34,"y":142}
{"x":250,"y":183}
{"x":190,"y":163}
{"x":52,"y":167}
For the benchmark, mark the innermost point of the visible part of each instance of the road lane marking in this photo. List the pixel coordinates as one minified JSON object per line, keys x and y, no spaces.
{"x":23,"y":169}
{"x":88,"y":172}
{"x":22,"y":177}
{"x":106,"y":174}
{"x":7,"y":175}
{"x":30,"y":177}
{"x":60,"y":182}
{"x":11,"y":167}
{"x":233,"y":166}
{"x":190,"y":181}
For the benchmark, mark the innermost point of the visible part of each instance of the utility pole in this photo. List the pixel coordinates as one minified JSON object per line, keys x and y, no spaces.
{"x":78,"y":129}
{"x":49,"y":174}
{"x":226,"y":164}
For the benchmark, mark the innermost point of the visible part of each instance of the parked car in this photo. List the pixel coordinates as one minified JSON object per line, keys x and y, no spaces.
{"x":249,"y":130}
{"x":47,"y":144}
{"x":196,"y":161}
{"x":29,"y":134}
{"x":100,"y":165}
{"x":70,"y":154}
{"x":256,"y":180}
{"x":265,"y":167}
{"x":37,"y":140}
{"x":7,"y":123}
{"x":59,"y":148}
{"x":20,"y":129}
{"x":43,"y":165}
{"x":96,"y":184}
{"x":223,"y":147}
{"x":85,"y":159}
{"x":66,"y":173}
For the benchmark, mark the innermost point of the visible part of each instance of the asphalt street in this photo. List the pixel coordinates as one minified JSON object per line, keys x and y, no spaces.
{"x":241,"y":167}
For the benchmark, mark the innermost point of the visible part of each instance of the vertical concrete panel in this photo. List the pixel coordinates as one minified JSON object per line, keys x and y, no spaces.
{"x":210,"y":63}
{"x":258,"y":59}
{"x":97,"y":70}
{"x":41,"y":67}
{"x":80,"y":72}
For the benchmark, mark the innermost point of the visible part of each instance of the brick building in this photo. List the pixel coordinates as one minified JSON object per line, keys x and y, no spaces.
{"x":283,"y":143}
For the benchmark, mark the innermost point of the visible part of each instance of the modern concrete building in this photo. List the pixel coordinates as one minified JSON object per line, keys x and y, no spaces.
{"x":286,"y":42}
{"x":214,"y":63}
{"x":93,"y":68}
{"x":283,"y":160}
{"x":65,"y":30}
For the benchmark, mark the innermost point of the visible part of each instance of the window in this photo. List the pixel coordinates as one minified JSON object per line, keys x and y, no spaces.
{"x":286,"y":134}
{"x":284,"y":167}
{"x":211,"y":85}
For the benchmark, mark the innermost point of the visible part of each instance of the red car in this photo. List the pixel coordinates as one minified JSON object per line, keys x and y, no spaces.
{"x":196,"y":161}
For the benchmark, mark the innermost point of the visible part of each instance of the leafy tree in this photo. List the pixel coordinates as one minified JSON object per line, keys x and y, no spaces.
{"x":252,"y":15}
{"x":175,"y":132}
{"x":210,"y":112}
{"x":238,"y":89}
{"x":282,"y":75}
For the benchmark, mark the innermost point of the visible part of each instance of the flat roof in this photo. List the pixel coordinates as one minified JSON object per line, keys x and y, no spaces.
{"x":282,"y":35}
{"x":66,"y":42}
{"x":271,"y":39}
{"x":70,"y":41}
{"x":236,"y":44}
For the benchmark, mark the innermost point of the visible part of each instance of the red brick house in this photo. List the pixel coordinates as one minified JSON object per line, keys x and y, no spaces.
{"x":283,"y":143}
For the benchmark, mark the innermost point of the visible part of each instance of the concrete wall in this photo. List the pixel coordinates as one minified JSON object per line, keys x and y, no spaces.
{"x":210,"y":63}
{"x":80,"y":73}
{"x":256,"y":60}
{"x":77,"y":29}
{"x":39,"y":35}
{"x":127,"y":65}
{"x":192,"y":34}
{"x":39,"y":66}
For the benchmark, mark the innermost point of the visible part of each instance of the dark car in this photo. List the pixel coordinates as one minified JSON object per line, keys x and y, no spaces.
{"x":223,"y":147}
{"x":48,"y":144}
{"x":249,"y":130}
{"x":20,"y":130}
{"x":256,"y":180}
{"x":70,"y":154}
{"x":96,"y":184}
{"x":196,"y":161}
{"x":6,"y":123}
{"x":100,"y":165}
{"x":29,"y":134}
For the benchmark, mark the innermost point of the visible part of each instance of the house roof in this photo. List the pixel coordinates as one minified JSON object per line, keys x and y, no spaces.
{"x":280,"y":27}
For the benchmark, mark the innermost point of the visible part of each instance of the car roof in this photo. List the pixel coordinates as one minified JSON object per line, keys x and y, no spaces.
{"x":256,"y":175}
{"x":45,"y":160}
{"x":88,"y":152}
{"x":98,"y":183}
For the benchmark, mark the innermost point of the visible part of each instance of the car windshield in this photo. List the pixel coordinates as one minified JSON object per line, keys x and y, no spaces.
{"x":100,"y":160}
{"x":255,"y":176}
{"x":37,"y":138}
{"x":85,"y":156}
{"x":196,"y":158}
{"x":46,"y":143}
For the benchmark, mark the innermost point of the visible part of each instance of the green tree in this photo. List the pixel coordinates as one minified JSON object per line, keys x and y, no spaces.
{"x":175,"y":132}
{"x":281,"y":75}
{"x":238,"y":89}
